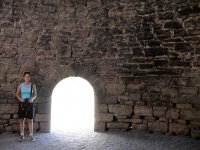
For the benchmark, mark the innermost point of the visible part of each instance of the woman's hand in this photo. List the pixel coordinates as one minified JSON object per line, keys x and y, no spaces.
{"x":30,"y":100}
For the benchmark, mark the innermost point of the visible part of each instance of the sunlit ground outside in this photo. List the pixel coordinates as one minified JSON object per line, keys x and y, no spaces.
{"x":72,"y":107}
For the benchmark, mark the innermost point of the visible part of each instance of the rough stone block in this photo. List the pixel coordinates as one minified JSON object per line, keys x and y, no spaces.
{"x":159,"y":113}
{"x":181,"y":121}
{"x":114,"y":125}
{"x":173,"y":113}
{"x":121,"y":116}
{"x":43,"y":108}
{"x":135,"y":96}
{"x":35,"y":126}
{"x":7,"y":87}
{"x":158,"y":127}
{"x":163,"y":119}
{"x":195,"y":133}
{"x":123,"y":119}
{"x":183,"y":47}
{"x":5,"y":116}
{"x":136,"y":121}
{"x":143,"y":111}
{"x":123,"y":98}
{"x":190,"y":115}
{"x":120,"y":109}
{"x":195,"y":124}
{"x":101,"y":108}
{"x":109,"y":100}
{"x":188,"y":90}
{"x":178,"y":128}
{"x":184,"y":106}
{"x":155,"y":51}
{"x":51,"y":2}
{"x":13,"y":121}
{"x":45,"y":127}
{"x":103,"y":117}
{"x":173,"y":25}
{"x":169,"y":91}
{"x":8,"y":108}
{"x":15,"y":128}
{"x":115,"y":89}
{"x":141,"y":127}
{"x":42,"y":117}
{"x":149,"y":119}
{"x":132,"y":87}
{"x":126,"y":102}
{"x":30,"y":36}
{"x":100,"y":126}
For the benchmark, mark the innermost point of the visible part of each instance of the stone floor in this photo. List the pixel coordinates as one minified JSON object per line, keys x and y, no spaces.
{"x":88,"y":140}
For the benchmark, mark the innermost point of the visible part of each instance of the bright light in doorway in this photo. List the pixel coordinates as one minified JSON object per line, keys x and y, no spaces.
{"x":72,"y":106}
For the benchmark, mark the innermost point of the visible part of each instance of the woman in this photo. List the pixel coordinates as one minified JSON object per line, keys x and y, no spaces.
{"x":26,"y":93}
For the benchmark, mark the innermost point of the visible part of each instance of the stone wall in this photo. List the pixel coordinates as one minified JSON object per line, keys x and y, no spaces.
{"x":141,"y":57}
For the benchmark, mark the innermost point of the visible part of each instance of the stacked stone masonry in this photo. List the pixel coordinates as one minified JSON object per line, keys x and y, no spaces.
{"x":141,"y":57}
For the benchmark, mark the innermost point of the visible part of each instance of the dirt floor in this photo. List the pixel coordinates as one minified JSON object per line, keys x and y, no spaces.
{"x":88,"y":140}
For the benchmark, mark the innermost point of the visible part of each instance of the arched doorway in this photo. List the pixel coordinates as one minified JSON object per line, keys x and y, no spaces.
{"x":72,"y":107}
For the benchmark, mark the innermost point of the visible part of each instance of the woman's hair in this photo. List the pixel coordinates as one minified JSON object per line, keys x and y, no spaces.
{"x":27,"y":73}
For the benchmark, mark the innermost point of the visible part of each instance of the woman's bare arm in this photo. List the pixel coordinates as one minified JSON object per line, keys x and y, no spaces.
{"x":34,"y":95}
{"x":18,"y":93}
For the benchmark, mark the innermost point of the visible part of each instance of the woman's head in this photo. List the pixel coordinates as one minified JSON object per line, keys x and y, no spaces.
{"x":27,"y":76}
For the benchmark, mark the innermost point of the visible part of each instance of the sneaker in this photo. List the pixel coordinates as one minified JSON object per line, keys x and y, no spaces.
{"x":32,"y":139}
{"x":21,"y":138}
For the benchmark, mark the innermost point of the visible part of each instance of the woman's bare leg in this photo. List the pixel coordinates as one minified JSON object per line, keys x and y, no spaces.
{"x":30,"y":125}
{"x":21,"y":126}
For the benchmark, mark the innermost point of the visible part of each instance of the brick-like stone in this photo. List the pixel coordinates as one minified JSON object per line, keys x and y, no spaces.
{"x":188,"y":90}
{"x":173,"y":25}
{"x":195,"y":124}
{"x":156,"y":51}
{"x":149,"y":119}
{"x":195,"y":133}
{"x":190,"y":115}
{"x":42,"y":117}
{"x":100,"y":126}
{"x":114,"y":125}
{"x":5,"y":116}
{"x":163,"y":119}
{"x":7,"y":87}
{"x":173,"y":113}
{"x":110,"y":99}
{"x":135,"y":96}
{"x":184,"y":106}
{"x":158,"y":127}
{"x":43,"y":108}
{"x":13,"y":121}
{"x":178,"y":128}
{"x":45,"y":127}
{"x":143,"y":111}
{"x":183,"y":47}
{"x":159,"y":113}
{"x":115,"y":89}
{"x":102,"y":108}
{"x":141,"y":127}
{"x":120,"y":109}
{"x":181,"y":121}
{"x":136,"y":121}
{"x":103,"y":117}
{"x":8,"y":108}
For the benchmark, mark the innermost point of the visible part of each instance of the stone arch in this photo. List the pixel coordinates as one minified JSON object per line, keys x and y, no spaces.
{"x":54,"y":76}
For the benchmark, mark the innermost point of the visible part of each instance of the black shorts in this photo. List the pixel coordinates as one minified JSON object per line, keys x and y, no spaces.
{"x":26,"y":110}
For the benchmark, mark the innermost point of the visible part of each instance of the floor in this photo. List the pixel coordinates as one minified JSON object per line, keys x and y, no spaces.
{"x":88,"y":140}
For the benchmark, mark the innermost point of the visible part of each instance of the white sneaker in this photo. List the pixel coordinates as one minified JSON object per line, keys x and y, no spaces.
{"x":32,"y":138}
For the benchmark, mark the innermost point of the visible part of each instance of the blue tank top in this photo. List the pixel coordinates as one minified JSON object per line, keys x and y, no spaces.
{"x":25,"y":92}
